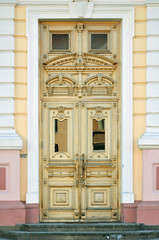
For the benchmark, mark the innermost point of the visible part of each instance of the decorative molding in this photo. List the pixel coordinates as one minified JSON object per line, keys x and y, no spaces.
{"x":99,"y":84}
{"x":126,"y":14}
{"x":82,"y":9}
{"x":9,"y":140}
{"x":152,"y":2}
{"x":42,"y":2}
{"x":8,"y":2}
{"x":121,"y":3}
{"x":88,"y":62}
{"x":150,"y":140}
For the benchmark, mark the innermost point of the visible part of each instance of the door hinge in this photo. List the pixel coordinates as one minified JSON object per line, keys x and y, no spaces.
{"x":117,"y":116}
{"x":41,"y":144}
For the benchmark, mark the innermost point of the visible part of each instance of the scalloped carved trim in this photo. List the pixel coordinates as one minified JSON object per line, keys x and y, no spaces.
{"x":86,"y":61}
{"x":59,"y":79}
{"x":99,"y":79}
{"x":103,"y":60}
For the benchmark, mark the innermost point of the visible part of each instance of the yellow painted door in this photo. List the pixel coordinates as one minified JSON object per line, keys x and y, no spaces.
{"x":98,"y":180}
{"x":80,"y":178}
{"x":79,"y":109}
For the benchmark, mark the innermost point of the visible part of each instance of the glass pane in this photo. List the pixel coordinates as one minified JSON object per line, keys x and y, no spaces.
{"x":99,"y":41}
{"x":60,"y":42}
{"x":60,"y":136}
{"x":98,"y":135}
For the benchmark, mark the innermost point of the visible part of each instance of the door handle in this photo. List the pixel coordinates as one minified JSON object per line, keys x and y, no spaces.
{"x":80,"y":168}
{"x":83,"y":168}
{"x":77,"y":170}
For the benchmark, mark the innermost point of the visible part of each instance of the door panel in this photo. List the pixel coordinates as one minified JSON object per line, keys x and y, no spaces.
{"x":100,"y":169}
{"x":59,"y":166}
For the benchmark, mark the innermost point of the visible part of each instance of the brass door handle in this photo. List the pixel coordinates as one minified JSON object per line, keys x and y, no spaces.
{"x":82,"y":172}
{"x":77,"y":170}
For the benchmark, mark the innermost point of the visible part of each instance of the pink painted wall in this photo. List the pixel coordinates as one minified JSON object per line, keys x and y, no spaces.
{"x":10,"y":160}
{"x":2,"y":178}
{"x":150,"y":175}
{"x":16,"y":212}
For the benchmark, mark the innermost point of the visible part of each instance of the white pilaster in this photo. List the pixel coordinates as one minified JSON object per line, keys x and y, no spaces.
{"x":150,"y":139}
{"x":8,"y":137}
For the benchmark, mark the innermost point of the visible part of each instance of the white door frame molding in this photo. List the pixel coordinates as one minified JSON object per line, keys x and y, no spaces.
{"x":99,"y":11}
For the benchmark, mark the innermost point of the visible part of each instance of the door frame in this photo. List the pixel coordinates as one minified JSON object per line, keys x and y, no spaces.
{"x":63,"y":11}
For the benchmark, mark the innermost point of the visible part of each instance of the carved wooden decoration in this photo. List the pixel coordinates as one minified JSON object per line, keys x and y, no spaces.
{"x":99,"y":84}
{"x":80,"y":98}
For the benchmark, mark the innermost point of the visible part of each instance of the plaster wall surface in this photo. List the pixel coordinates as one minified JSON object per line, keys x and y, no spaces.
{"x":9,"y":160}
{"x":139,"y":95}
{"x":6,"y":62}
{"x":21,"y":90}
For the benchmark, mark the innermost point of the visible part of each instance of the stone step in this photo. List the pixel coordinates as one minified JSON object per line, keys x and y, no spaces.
{"x":4,"y":239}
{"x":82,"y":235}
{"x":44,"y":227}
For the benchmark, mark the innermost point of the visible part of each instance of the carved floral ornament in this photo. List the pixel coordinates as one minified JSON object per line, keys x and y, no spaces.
{"x":98,"y":115}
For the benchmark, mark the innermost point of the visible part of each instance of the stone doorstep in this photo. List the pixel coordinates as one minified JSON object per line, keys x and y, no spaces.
{"x":83,"y":233}
{"x":142,"y":232}
{"x":44,"y":227}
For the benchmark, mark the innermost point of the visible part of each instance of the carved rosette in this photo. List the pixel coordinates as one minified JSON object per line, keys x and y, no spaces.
{"x":98,"y":115}
{"x":61,"y":115}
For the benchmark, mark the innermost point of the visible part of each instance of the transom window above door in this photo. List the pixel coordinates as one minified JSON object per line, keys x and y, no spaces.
{"x":60,"y":42}
{"x":98,"y":41}
{"x":81,"y":38}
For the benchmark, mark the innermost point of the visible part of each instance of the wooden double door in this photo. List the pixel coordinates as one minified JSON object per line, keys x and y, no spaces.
{"x":81,"y":177}
{"x":79,"y":127}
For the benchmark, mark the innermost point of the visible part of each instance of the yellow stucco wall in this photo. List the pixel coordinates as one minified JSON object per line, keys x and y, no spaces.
{"x":21,"y":90}
{"x":139,"y":95}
